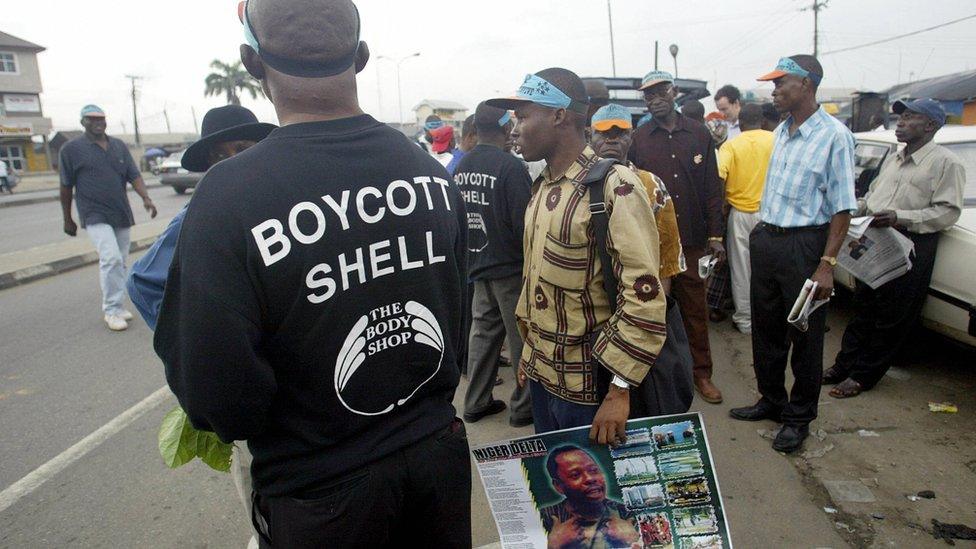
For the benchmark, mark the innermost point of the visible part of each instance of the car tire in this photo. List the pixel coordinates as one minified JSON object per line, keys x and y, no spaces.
{"x":180,"y":190}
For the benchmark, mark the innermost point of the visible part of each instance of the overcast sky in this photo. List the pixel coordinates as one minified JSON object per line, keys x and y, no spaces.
{"x":473,"y":49}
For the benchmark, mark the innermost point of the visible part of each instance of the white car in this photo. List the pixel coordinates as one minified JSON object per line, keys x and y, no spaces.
{"x":950,"y":308}
{"x":172,"y":173}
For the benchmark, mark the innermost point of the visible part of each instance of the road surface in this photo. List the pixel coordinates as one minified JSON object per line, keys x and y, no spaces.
{"x":64,"y":376}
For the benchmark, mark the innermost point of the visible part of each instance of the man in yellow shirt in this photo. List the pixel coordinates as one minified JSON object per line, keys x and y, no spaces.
{"x":742,"y":163}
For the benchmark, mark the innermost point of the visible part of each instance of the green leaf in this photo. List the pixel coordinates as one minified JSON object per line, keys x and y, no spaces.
{"x":171,"y":439}
{"x":214,"y":452}
{"x":180,"y":442}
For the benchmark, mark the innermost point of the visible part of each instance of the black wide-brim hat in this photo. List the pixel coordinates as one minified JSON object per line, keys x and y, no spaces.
{"x":227,"y":123}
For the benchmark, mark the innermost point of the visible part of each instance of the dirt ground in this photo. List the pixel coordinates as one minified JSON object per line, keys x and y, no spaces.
{"x":849,"y":486}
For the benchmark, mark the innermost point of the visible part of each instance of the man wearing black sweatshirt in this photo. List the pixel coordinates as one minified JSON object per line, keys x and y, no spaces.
{"x":495,"y":186}
{"x":313,"y":304}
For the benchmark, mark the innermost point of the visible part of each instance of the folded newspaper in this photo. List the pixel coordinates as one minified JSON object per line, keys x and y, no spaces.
{"x":805,"y":305}
{"x":875,"y":256}
{"x":706,"y":266}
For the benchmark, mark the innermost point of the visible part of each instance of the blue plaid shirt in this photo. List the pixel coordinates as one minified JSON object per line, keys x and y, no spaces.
{"x":811,"y":174}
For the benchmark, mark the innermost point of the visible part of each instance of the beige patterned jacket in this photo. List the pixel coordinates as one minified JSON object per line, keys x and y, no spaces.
{"x":563,"y":300}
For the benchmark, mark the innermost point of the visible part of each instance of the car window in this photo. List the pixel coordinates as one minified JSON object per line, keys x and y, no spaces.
{"x":868,"y":157}
{"x":967,"y":153}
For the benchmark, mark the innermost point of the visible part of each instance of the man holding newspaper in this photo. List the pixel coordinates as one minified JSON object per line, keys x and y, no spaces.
{"x":918,"y":193}
{"x":805,"y":212}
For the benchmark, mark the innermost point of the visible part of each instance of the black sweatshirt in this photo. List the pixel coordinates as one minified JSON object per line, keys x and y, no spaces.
{"x":496,"y":189}
{"x":313,"y":304}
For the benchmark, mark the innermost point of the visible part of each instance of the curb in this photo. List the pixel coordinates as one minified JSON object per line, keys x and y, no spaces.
{"x":39,"y":199}
{"x":56,"y":267}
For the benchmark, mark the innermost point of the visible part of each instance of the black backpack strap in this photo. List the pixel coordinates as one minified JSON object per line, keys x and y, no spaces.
{"x":595,"y":179}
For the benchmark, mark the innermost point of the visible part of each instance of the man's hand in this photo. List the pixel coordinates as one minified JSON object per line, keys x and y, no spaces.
{"x":610,"y":423}
{"x":824,"y":277}
{"x":886,"y":218}
{"x":70,"y":228}
{"x":621,"y":532}
{"x":716,"y":249}
{"x":147,"y":203}
{"x":520,"y":376}
{"x":565,"y":534}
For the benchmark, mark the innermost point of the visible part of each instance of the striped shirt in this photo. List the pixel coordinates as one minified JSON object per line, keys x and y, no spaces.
{"x":811,"y":173}
{"x":563,"y":300}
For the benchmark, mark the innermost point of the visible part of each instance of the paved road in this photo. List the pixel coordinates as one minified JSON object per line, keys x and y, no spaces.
{"x":32,"y":225}
{"x":63,"y":375}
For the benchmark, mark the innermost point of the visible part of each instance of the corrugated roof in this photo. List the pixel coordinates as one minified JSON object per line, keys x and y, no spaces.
{"x":11,"y":41}
{"x":960,"y":86}
{"x":441,"y":104}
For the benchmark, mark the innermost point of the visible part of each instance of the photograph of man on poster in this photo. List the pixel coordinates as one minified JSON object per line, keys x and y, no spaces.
{"x":586,"y":517}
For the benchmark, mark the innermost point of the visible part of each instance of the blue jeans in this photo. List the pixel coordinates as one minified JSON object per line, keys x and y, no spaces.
{"x":551,"y":413}
{"x":112,"y":245}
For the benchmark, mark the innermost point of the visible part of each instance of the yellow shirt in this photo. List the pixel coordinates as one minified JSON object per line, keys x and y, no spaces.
{"x":742,"y":163}
{"x":563,"y":300}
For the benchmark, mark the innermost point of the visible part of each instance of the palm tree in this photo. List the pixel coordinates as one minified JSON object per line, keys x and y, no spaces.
{"x":228,"y":79}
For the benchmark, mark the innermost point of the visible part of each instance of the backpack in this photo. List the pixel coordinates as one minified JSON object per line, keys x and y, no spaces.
{"x":669,"y":387}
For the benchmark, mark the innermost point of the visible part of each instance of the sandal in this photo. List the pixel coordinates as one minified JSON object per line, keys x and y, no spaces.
{"x":846,"y":389}
{"x":833,"y":375}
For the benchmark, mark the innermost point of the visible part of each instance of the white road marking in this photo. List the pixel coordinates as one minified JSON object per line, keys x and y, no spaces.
{"x":46,"y":472}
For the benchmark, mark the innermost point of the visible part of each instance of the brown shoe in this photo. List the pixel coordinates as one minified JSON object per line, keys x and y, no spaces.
{"x":716,"y":315}
{"x":708,"y":391}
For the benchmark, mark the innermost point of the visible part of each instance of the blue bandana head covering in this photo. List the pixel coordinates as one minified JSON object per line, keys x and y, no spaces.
{"x":433,"y":125}
{"x":655,"y":77}
{"x":538,"y":90}
{"x":297,"y":67}
{"x":93,"y":111}
{"x":786,"y":66}
{"x":612,"y":115}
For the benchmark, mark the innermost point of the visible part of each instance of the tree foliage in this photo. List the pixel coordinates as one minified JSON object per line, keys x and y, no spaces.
{"x":229,"y":79}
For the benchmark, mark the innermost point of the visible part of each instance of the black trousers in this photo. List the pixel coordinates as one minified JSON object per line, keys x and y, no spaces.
{"x":885,"y":317}
{"x":418,"y":496}
{"x":781,"y":262}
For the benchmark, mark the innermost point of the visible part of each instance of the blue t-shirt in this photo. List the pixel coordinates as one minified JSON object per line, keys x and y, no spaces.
{"x":98,"y":177}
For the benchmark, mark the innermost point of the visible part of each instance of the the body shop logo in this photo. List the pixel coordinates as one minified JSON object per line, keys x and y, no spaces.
{"x":395,"y":350}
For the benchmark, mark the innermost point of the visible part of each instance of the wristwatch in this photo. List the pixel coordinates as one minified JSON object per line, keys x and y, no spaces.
{"x":832,"y":261}
{"x":619,"y":382}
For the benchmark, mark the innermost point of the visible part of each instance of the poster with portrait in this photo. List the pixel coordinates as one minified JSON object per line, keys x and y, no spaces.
{"x":658,"y":490}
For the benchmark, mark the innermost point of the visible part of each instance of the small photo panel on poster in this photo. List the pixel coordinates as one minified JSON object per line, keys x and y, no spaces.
{"x":691,"y":521}
{"x":635,"y":470}
{"x":713,"y":541}
{"x":638,"y":443}
{"x":643,"y":496}
{"x":688,"y":491}
{"x":655,"y":530}
{"x":686,"y":463}
{"x":674,"y":435}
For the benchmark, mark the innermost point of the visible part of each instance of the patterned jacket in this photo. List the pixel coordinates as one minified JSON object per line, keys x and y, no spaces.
{"x":563,"y":300}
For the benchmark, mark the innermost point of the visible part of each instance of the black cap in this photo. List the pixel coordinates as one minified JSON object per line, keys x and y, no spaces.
{"x":227,"y":123}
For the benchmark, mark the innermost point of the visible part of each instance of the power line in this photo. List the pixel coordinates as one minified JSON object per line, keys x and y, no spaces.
{"x":876,"y":42}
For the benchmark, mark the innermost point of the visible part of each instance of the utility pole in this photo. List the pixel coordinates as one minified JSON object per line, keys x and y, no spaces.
{"x":613,"y":56}
{"x":166,"y":117}
{"x":135,"y":114}
{"x":815,"y":8}
{"x":655,"y":55}
{"x":397,"y":62}
{"x":196,"y":129}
